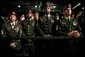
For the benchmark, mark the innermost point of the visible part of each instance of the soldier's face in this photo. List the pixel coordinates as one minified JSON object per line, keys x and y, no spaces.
{"x":48,"y":9}
{"x":13,"y":17}
{"x":68,"y":11}
{"x":36,"y":14}
{"x":29,"y":15}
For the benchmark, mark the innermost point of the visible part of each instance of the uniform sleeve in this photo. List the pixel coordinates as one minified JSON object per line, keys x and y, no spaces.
{"x":3,"y":31}
{"x":39,"y":28}
{"x":21,"y":32}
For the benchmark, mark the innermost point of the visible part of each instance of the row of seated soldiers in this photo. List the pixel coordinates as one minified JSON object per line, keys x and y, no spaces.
{"x":34,"y":25}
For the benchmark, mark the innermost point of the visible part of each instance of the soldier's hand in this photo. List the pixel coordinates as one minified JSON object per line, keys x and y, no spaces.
{"x":71,"y":34}
{"x":74,"y":34}
{"x":13,"y":45}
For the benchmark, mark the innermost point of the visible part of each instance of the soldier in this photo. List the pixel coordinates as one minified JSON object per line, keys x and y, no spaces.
{"x":28,"y":28}
{"x":69,"y":26}
{"x":29,"y":24}
{"x":46,"y":22}
{"x":56,"y":24}
{"x":37,"y":28}
{"x":11,"y":29}
{"x":22,"y":18}
{"x":80,"y":19}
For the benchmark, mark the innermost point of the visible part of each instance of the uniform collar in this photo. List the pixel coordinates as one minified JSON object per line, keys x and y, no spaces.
{"x":48,"y":15}
{"x":69,"y":17}
{"x":32,"y":18}
{"x":13,"y":23}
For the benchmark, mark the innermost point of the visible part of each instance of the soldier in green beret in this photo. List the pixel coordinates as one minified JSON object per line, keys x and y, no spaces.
{"x":69,"y":26}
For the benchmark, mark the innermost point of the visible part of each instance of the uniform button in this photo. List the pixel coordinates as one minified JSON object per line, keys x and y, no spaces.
{"x":70,"y":29}
{"x":28,"y":33}
{"x":30,"y":19}
{"x":28,"y":25}
{"x":46,"y":25}
{"x":28,"y":28}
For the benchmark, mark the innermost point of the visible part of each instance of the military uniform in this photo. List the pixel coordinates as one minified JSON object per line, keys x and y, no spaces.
{"x":29,"y":31}
{"x":46,"y":24}
{"x":68,"y":25}
{"x":28,"y":27}
{"x":10,"y":31}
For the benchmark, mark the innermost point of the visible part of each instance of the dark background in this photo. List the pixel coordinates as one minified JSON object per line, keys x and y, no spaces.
{"x":8,"y":5}
{"x":12,"y":5}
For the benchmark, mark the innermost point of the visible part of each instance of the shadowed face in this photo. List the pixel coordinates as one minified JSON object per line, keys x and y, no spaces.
{"x":48,"y":9}
{"x":68,"y":11}
{"x":13,"y":18}
{"x":36,"y":14}
{"x":29,"y":14}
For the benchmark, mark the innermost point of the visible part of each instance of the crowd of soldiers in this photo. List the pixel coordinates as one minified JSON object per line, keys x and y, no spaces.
{"x":33,"y":25}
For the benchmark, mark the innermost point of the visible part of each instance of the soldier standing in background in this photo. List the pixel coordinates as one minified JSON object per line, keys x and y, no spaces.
{"x":37,"y":28}
{"x":80,"y":19}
